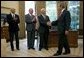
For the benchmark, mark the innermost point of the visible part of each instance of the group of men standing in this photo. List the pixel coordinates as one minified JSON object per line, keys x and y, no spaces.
{"x":62,"y":23}
{"x":43,"y":29}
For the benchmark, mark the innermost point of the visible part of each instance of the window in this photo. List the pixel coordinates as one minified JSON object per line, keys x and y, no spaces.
{"x":29,"y":4}
{"x":73,"y":7}
{"x":51,"y":10}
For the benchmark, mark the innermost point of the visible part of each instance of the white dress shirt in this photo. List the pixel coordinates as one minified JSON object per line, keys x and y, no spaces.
{"x":13,"y":15}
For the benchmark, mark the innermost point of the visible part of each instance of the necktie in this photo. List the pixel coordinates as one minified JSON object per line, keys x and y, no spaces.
{"x":44,"y":16}
{"x":13,"y":16}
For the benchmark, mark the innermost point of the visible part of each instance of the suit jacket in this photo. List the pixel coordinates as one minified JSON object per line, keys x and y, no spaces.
{"x":30,"y":26}
{"x":13,"y":25}
{"x":43,"y":24}
{"x":63,"y":22}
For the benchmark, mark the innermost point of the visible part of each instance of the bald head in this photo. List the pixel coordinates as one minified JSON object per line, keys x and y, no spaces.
{"x":12,"y":10}
{"x":31,"y":11}
{"x":43,"y":11}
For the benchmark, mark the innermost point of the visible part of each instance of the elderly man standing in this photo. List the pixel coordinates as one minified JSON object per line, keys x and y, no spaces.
{"x":43,"y":29}
{"x":30,"y":27}
{"x":13,"y":21}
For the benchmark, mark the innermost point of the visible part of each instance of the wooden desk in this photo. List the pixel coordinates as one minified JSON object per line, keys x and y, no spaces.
{"x":72,"y":39}
{"x":5,"y":33}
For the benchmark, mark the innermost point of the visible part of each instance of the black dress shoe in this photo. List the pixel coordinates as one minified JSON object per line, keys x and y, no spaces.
{"x":56,"y":54}
{"x":18,"y":49}
{"x":66,"y":53}
{"x":39,"y":49}
{"x":12,"y":50}
{"x":33,"y":48}
{"x":28,"y":48}
{"x":46,"y":48}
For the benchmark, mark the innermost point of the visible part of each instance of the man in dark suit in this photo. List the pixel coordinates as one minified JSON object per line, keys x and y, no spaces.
{"x":43,"y":29}
{"x":30,"y":27}
{"x":63,"y":25}
{"x":13,"y":21}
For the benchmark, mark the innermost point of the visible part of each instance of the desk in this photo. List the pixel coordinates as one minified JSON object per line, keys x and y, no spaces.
{"x":72,"y":39}
{"x":5,"y":33}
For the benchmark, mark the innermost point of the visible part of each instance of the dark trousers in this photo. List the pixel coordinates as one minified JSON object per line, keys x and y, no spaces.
{"x":12,"y":38}
{"x":63,"y":42}
{"x":30,"y":39}
{"x":43,"y":40}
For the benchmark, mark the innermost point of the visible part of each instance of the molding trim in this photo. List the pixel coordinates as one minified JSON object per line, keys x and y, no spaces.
{"x":5,"y":7}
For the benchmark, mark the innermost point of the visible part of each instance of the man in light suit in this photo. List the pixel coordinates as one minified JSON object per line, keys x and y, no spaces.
{"x":63,"y":25}
{"x":30,"y":27}
{"x":13,"y":21}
